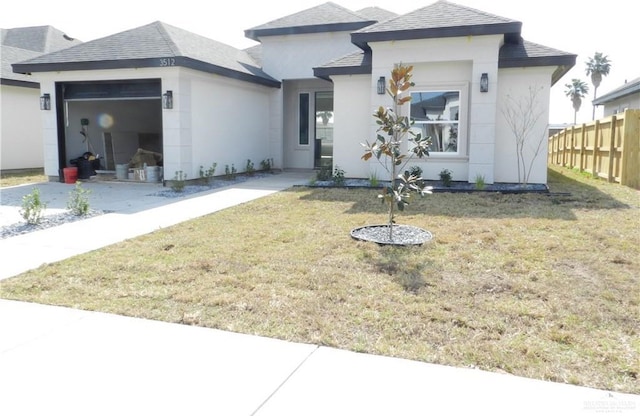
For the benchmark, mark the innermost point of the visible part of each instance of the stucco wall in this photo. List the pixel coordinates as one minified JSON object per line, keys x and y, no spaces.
{"x":213,"y":119}
{"x":20,"y":128}
{"x":517,"y":84}
{"x":295,"y":155}
{"x":230,"y":122}
{"x":295,"y":56}
{"x":353,"y":125}
{"x":450,"y":64}
{"x":618,"y":106}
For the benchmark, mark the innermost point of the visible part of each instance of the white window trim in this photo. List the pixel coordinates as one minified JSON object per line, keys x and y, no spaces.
{"x":463,"y":117}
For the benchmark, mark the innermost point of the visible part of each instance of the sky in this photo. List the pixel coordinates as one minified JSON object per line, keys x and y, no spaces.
{"x":580,"y":27}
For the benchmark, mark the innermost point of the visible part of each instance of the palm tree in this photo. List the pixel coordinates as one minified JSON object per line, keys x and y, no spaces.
{"x":597,"y":67}
{"x":576,"y":91}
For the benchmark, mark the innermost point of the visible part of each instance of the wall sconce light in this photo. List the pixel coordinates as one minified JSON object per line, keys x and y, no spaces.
{"x":167,"y":100}
{"x":45,"y":102}
{"x":382,"y":85}
{"x":484,"y":82}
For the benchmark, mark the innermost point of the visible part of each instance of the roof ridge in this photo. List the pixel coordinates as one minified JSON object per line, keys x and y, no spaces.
{"x":164,"y":33}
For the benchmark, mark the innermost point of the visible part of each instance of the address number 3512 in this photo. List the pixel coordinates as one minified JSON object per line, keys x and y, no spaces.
{"x":167,"y":61}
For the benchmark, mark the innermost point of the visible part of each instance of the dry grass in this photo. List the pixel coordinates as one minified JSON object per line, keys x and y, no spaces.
{"x":20,"y":177}
{"x":542,"y":286}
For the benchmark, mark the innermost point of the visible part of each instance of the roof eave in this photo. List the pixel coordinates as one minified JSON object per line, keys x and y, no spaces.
{"x":18,"y":83}
{"x":363,"y":38}
{"x":326,"y":73}
{"x":616,"y":95}
{"x":146,"y":63}
{"x":256,"y":34}
{"x":563,"y":63}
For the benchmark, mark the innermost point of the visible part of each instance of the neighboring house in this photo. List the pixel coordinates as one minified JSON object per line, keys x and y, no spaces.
{"x":304,"y":96}
{"x":627,"y":96}
{"x":20,"y":118}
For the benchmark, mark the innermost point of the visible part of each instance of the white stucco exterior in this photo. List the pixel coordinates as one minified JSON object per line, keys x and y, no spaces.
{"x":214,"y":119}
{"x":517,"y":82}
{"x":294,"y":56}
{"x":620,"y":104}
{"x":232,"y":106}
{"x":20,"y":128}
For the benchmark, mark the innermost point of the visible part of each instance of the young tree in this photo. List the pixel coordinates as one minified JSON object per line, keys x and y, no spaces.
{"x":522,"y":115}
{"x":597,"y":66}
{"x":576,"y":91}
{"x":388,"y":147}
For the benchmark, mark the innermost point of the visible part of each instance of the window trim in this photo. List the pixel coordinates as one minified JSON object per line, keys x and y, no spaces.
{"x":463,"y":116}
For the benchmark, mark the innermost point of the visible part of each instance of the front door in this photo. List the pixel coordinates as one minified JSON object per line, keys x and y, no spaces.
{"x":323,"y":152}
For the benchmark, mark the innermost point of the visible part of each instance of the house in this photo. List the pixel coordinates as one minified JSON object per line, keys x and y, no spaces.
{"x":304,"y":96}
{"x":21,"y":130}
{"x":626,"y":96}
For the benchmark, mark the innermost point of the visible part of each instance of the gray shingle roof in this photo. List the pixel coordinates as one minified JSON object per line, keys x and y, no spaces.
{"x":625,"y":89}
{"x":22,"y":43}
{"x":440,"y":19}
{"x":351,"y":64}
{"x":526,"y":54}
{"x":41,"y":39}
{"x":376,"y":13}
{"x":146,"y":46}
{"x":9,"y":55}
{"x":327,"y":17}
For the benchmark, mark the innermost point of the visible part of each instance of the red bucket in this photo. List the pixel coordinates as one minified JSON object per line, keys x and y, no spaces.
{"x":70,"y":175}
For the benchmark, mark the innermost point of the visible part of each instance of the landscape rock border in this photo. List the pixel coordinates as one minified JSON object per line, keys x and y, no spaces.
{"x":403,"y":235}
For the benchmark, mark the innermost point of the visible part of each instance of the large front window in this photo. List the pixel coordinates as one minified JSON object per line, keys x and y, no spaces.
{"x":437,"y":114}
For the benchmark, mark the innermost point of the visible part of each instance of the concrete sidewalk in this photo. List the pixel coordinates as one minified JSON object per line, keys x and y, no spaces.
{"x":57,"y":360}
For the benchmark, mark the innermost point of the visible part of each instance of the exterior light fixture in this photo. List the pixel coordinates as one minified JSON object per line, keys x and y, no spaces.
{"x":167,"y":100}
{"x":45,"y":102}
{"x":484,"y":82}
{"x":382,"y":85}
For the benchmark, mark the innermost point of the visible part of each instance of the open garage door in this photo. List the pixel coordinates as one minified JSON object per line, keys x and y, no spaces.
{"x":111,"y":120}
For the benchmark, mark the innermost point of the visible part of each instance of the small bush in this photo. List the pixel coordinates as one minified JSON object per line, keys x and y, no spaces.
{"x":209,"y":173}
{"x":230,"y":172}
{"x":249,"y":168}
{"x":32,"y":207}
{"x":266,"y":165}
{"x":445,"y":177}
{"x":338,"y":176}
{"x":480,"y":184}
{"x":178,"y":182}
{"x":373,"y":180}
{"x":78,"y":202}
{"x":324,"y":174}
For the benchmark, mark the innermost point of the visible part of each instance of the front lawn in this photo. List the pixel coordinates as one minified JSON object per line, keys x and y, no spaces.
{"x":541,"y":286}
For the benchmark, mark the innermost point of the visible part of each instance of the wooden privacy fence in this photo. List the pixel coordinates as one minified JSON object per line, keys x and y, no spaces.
{"x":608,"y":148}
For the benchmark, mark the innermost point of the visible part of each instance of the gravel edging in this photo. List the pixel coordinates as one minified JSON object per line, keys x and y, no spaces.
{"x":403,"y":235}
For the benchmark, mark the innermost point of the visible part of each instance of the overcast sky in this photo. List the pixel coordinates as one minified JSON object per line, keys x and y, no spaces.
{"x":581,"y":27}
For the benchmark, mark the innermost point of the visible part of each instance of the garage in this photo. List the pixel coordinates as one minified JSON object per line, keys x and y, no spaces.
{"x":112,"y":123}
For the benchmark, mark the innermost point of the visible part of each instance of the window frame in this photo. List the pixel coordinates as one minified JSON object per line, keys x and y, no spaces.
{"x":463,"y":116}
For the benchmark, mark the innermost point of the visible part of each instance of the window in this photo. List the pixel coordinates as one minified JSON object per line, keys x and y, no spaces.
{"x":303,"y":119}
{"x":437,"y":114}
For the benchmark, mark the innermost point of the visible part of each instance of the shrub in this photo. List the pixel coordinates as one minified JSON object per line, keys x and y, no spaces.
{"x":178,"y":182}
{"x":249,"y":168}
{"x":445,"y":177}
{"x":338,"y":176}
{"x":78,"y":202}
{"x":480,"y":184}
{"x":32,"y":207}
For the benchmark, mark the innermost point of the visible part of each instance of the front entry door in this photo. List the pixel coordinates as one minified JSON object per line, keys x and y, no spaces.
{"x":323,"y":152}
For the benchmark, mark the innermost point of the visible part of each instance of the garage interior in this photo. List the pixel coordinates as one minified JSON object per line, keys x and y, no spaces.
{"x":112,"y":124}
